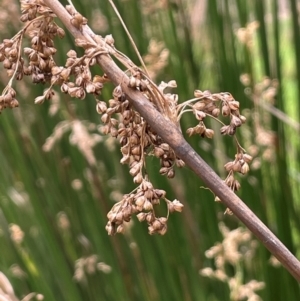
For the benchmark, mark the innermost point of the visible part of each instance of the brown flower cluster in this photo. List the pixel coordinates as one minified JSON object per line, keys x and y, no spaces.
{"x":141,"y":202}
{"x":236,"y":248}
{"x":120,"y":120}
{"x":41,"y":30}
{"x":137,"y":140}
{"x":206,"y":104}
{"x":212,"y":105}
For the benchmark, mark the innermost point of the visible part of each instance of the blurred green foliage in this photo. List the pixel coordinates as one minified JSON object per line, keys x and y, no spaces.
{"x":60,"y":201}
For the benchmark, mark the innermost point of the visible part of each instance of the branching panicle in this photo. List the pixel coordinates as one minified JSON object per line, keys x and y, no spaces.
{"x":120,"y":120}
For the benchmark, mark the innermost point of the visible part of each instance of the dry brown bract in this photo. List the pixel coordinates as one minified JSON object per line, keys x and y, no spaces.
{"x":119,"y":118}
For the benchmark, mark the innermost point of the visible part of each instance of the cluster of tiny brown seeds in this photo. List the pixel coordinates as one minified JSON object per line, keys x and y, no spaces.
{"x":42,"y":33}
{"x":212,"y":105}
{"x":8,"y":100}
{"x":136,"y":137}
{"x":9,"y":56}
{"x":137,"y":140}
{"x":77,"y":19}
{"x":207,"y":104}
{"x":141,"y":203}
{"x":239,"y":165}
{"x":42,"y":30}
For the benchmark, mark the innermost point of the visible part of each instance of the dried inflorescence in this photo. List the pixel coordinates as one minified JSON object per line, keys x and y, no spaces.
{"x":206,"y":104}
{"x":236,"y":248}
{"x":141,"y":202}
{"x":119,"y":118}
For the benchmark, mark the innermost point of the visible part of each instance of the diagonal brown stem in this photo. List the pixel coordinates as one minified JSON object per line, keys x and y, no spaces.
{"x":170,"y":134}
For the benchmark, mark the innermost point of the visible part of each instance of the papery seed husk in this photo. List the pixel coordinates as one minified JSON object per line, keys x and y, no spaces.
{"x":200,"y":115}
{"x":134,"y":139}
{"x":159,"y":193}
{"x":105,"y":129}
{"x":158,"y":152}
{"x":138,"y":178}
{"x":155,"y":201}
{"x":147,"y":206}
{"x":236,"y":121}
{"x":217,"y":199}
{"x":190,"y":131}
{"x":224,"y":129}
{"x":215,"y":112}
{"x":171,"y":174}
{"x":120,"y":228}
{"x":101,"y":107}
{"x":245,"y":168}
{"x":247,"y":158}
{"x":198,"y":93}
{"x":65,"y":88}
{"x":199,"y":129}
{"x":237,"y":166}
{"x":200,"y":105}
{"x":163,"y":230}
{"x":177,"y":205}
{"x":114,"y":132}
{"x":225,"y":110}
{"x":209,"y":133}
{"x":141,"y":216}
{"x":39,"y":100}
{"x":151,"y":230}
{"x":65,"y":73}
{"x":180,"y":163}
{"x":132,"y":82}
{"x":109,"y":40}
{"x":105,"y":118}
{"x":243,"y":118}
{"x":136,"y":150}
{"x":157,"y":225}
{"x":228,"y":166}
{"x":231,"y":130}
{"x":134,"y":170}
{"x":90,"y":88}
{"x":149,"y":194}
{"x":125,"y":159}
{"x":14,"y":103}
{"x":236,"y":185}
{"x":150,"y":217}
{"x":234,"y":105}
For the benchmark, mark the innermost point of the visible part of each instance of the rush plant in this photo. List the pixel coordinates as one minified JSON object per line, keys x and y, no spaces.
{"x":144,"y":116}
